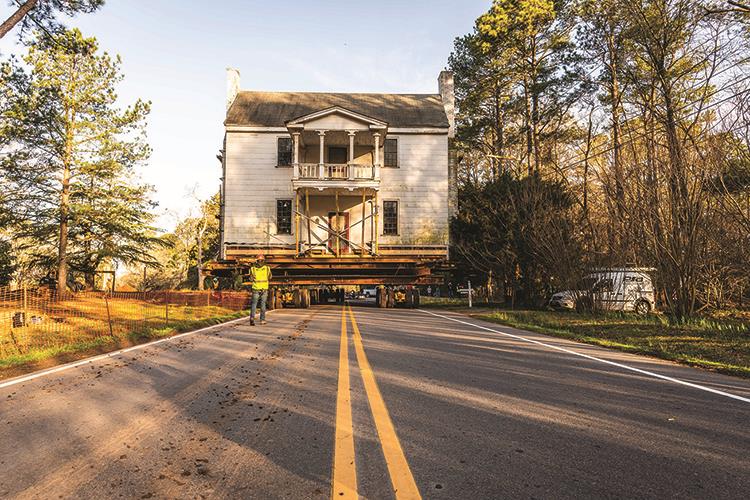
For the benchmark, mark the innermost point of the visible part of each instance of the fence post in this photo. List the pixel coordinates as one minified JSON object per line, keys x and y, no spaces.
{"x":208,"y":298}
{"x":166,"y":308}
{"x":469,"y":288}
{"x":109,"y":317}
{"x":25,"y":303}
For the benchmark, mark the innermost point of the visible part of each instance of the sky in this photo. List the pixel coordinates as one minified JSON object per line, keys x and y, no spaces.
{"x":175,"y":54}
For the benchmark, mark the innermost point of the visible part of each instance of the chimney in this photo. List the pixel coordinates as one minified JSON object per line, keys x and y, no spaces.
{"x":233,"y":85}
{"x":445,"y":87}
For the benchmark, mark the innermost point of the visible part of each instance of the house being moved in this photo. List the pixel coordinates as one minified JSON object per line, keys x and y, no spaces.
{"x":335,"y":188}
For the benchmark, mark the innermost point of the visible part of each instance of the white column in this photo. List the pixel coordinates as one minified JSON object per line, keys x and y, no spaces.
{"x":376,"y":163}
{"x":351,"y":154}
{"x":322,"y":136}
{"x":376,"y":138}
{"x":351,"y":145}
{"x":295,"y":154}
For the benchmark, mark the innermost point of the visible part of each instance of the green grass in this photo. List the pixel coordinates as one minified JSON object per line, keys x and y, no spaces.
{"x":107,"y":343}
{"x":717,"y":343}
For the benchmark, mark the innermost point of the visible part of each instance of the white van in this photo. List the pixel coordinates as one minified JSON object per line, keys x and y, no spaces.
{"x":611,"y":289}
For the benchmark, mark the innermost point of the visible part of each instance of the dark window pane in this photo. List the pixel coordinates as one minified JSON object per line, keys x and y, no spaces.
{"x":284,"y":148}
{"x":336,"y":155}
{"x":390,"y":217}
{"x":390,"y":153}
{"x":284,"y":216}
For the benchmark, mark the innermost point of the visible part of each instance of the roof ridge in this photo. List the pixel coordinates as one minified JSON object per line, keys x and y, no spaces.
{"x":334,"y":93}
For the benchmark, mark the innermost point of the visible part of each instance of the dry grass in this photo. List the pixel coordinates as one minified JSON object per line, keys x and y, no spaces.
{"x":84,"y":321}
{"x":717,"y":343}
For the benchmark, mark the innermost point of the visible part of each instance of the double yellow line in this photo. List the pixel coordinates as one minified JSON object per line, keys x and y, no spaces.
{"x":344,"y":466}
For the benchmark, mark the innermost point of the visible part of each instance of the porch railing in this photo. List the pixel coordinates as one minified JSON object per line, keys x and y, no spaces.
{"x":335,"y":171}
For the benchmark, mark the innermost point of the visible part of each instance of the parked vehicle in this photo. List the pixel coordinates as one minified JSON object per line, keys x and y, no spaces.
{"x":612,"y":289}
{"x":369,"y":292}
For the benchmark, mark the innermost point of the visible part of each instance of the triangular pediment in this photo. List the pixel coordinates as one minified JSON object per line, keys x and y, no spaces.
{"x":324,"y":115}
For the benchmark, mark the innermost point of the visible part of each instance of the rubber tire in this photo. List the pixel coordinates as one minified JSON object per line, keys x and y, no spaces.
{"x":305,"y":298}
{"x":415,"y":298}
{"x":409,"y":304}
{"x":271,"y":305}
{"x":297,"y":298}
{"x":391,"y":298}
{"x":642,"y":308}
{"x":380,"y":297}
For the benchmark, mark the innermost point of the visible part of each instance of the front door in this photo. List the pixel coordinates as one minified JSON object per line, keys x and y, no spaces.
{"x":339,"y":223}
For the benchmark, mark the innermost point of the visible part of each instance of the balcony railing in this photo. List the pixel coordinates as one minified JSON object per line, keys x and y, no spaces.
{"x":336,"y":171}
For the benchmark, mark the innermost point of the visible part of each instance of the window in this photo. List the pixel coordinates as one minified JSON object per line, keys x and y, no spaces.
{"x":283,"y":216}
{"x":390,"y":153}
{"x":284,"y":151}
{"x":390,"y":217}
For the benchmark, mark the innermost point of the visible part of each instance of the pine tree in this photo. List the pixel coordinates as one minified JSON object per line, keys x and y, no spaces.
{"x":70,"y":153}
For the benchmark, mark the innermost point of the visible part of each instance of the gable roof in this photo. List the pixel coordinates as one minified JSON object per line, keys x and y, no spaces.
{"x":336,"y":110}
{"x":274,"y":109}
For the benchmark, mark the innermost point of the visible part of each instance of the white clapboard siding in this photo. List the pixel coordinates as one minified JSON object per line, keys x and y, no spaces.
{"x":253,"y":183}
{"x":420,"y":184}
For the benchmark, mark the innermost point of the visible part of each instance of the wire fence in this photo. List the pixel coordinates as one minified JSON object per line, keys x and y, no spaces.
{"x":39,"y":318}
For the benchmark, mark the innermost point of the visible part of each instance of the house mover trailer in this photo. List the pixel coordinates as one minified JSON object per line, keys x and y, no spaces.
{"x":338,"y":189}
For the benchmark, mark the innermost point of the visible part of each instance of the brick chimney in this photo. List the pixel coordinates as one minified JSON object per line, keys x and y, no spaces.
{"x":233,"y":85}
{"x":445,"y":87}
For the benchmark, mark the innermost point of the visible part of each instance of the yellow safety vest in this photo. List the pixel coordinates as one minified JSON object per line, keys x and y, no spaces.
{"x":261,"y":276}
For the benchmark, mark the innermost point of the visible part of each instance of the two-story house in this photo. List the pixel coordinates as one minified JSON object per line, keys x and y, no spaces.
{"x":337,"y":181}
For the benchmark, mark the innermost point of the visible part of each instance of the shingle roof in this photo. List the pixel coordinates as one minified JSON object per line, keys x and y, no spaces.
{"x":273,"y":109}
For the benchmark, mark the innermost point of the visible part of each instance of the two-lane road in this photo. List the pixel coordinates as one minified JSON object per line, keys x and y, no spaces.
{"x":342,"y":402}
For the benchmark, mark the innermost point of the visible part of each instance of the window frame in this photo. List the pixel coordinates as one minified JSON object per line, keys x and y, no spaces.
{"x":396,"y":153}
{"x":291,"y":213}
{"x":278,"y":151}
{"x":398,"y":218}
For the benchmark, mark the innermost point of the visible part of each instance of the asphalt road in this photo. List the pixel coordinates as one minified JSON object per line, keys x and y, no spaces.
{"x":331,"y":403}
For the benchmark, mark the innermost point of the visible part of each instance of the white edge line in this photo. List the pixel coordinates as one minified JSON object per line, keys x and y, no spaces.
{"x":613,"y":363}
{"x":113,"y":354}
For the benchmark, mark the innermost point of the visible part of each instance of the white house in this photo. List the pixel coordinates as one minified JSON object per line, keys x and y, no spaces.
{"x":350,"y":176}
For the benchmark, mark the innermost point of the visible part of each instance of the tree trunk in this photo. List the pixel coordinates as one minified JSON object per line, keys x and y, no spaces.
{"x":529,"y":137}
{"x":62,"y":250}
{"x":16,"y":17}
{"x":200,"y":262}
{"x":616,"y":130}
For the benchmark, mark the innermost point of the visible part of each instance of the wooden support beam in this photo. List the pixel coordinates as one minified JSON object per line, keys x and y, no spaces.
{"x":307,"y":218}
{"x":296,"y":221}
{"x":338,"y":230}
{"x":362,"y":246}
{"x":377,"y":226}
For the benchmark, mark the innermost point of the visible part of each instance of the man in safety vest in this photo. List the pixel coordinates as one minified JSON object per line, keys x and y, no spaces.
{"x":261,"y":275}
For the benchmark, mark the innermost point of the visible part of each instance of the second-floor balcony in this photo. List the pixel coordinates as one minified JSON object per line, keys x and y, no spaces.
{"x":336,"y":172}
{"x":336,"y":148}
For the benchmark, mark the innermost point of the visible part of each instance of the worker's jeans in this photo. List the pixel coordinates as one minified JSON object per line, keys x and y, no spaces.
{"x":263,"y":296}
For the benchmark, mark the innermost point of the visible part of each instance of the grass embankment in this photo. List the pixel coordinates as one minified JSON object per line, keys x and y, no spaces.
{"x":76,"y":329}
{"x":717,"y":343}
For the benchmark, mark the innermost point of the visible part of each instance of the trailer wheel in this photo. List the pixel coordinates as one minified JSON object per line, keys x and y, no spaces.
{"x":380,"y":297}
{"x":271,"y":303}
{"x":305,"y":298}
{"x":297,"y":298}
{"x":391,"y":298}
{"x":411,"y":298}
{"x":415,"y":297}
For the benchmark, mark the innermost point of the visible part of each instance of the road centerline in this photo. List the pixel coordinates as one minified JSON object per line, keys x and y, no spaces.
{"x":594,"y":358}
{"x":402,"y":479}
{"x":344,"y":482}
